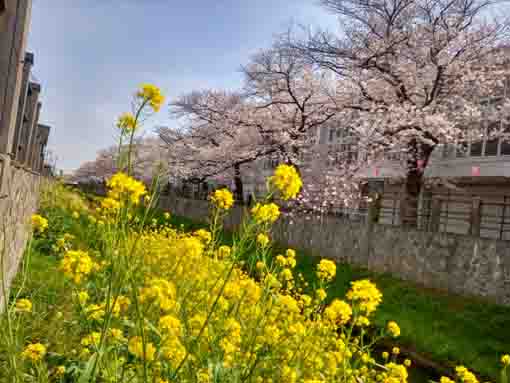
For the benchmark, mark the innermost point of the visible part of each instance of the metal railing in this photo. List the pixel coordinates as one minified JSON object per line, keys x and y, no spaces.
{"x":486,"y":217}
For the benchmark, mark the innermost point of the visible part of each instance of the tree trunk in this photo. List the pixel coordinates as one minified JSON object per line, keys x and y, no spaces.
{"x":416,"y":164}
{"x":238,"y":192}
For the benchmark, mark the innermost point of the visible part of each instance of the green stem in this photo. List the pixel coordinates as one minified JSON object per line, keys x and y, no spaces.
{"x":131,"y":137}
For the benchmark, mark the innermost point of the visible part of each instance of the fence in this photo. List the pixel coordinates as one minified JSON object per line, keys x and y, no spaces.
{"x":486,"y":217}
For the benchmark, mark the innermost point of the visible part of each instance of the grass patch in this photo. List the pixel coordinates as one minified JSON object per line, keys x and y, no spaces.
{"x":447,"y":328}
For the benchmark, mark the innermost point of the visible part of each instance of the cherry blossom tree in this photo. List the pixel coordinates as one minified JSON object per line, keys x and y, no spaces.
{"x":149,"y":161}
{"x":217,"y":136}
{"x":410,"y":74}
{"x":277,"y":113}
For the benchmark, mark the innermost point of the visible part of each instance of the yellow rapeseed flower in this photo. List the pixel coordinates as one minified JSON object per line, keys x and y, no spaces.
{"x":365,"y":294}
{"x":262,"y":240}
{"x":393,"y":329}
{"x":170,"y":324}
{"x":34,"y":351}
{"x":83,"y":297}
{"x":60,"y":371}
{"x":265,"y":214}
{"x":123,"y":186}
{"x":222,"y":198}
{"x":445,"y":379}
{"x":135,"y":347}
{"x":204,"y":235}
{"x":23,"y":305}
{"x":39,"y":223}
{"x":92,"y":339}
{"x":338,"y":312}
{"x":321,"y":294}
{"x":127,"y":122}
{"x":76,"y":265}
{"x":151,"y":94}
{"x":505,"y":360}
{"x":223,"y":251}
{"x":465,"y":375}
{"x":286,"y":179}
{"x":326,"y":270}
{"x":290,"y":253}
{"x":396,"y":371}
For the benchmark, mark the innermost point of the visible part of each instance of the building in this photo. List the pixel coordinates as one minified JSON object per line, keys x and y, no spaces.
{"x":14,"y":26}
{"x":22,"y":139}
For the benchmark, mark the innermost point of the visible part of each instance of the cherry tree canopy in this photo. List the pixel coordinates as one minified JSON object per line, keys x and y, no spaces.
{"x":410,"y":74}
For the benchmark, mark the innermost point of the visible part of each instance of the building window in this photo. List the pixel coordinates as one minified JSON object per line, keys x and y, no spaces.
{"x":505,"y":141}
{"x":476,"y":148}
{"x":332,"y":132}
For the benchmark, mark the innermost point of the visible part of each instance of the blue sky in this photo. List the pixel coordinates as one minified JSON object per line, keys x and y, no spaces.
{"x":90,"y":55}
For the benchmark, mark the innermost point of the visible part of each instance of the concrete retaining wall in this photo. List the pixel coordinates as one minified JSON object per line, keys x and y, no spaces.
{"x":460,"y":264}
{"x":19,"y":192}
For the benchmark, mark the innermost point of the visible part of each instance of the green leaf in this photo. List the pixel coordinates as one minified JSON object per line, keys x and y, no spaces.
{"x":86,"y":377}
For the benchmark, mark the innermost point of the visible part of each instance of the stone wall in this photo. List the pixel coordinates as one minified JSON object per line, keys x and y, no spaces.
{"x":460,"y":264}
{"x":19,"y":192}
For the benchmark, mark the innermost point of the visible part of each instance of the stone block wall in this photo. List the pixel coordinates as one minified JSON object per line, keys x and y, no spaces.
{"x":19,"y":192}
{"x":460,"y":264}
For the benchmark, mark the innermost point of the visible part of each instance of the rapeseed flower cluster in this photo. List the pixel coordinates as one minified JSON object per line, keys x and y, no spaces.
{"x":24,"y":305}
{"x":265,"y":213}
{"x":365,"y":294}
{"x":151,"y":94}
{"x":77,"y":264}
{"x":286,"y":179}
{"x":465,"y":375}
{"x":393,"y":329}
{"x":223,"y":199}
{"x":326,"y":270}
{"x":123,"y":186}
{"x":127,"y":123}
{"x":34,"y":352}
{"x":39,"y":223}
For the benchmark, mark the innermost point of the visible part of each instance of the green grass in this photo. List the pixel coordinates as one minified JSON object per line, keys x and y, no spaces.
{"x":447,"y":329}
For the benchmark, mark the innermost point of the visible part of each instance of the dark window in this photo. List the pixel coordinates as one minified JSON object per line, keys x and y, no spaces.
{"x":505,"y":141}
{"x":476,"y":148}
{"x":331,"y":134}
{"x":491,"y":146}
{"x":461,"y":149}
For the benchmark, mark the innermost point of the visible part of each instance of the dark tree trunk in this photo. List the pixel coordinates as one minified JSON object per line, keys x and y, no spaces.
{"x":417,"y":161}
{"x":239,"y":195}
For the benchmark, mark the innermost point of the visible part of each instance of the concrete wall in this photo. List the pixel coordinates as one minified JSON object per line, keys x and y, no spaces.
{"x":19,"y":192}
{"x":459,"y":264}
